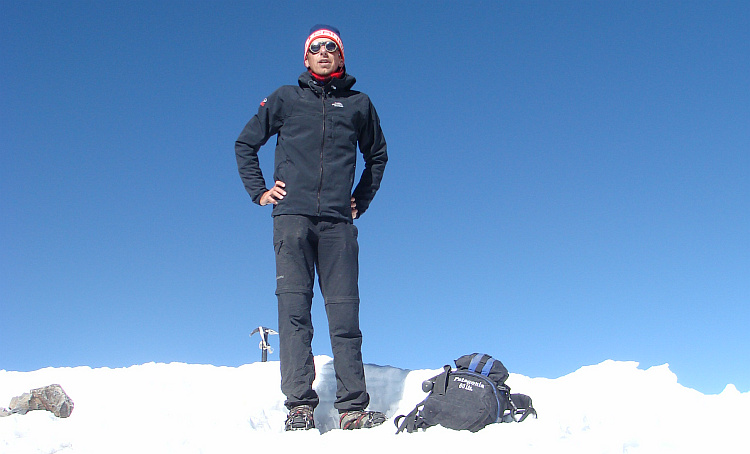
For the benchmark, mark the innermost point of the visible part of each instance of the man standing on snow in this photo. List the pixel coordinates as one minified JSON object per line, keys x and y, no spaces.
{"x":318,"y":124}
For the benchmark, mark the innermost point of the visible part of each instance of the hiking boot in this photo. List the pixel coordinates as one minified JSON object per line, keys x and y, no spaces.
{"x":300,"y":418}
{"x":360,"y":419}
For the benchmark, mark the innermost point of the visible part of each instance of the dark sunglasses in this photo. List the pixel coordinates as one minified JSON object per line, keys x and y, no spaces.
{"x":329,"y":45}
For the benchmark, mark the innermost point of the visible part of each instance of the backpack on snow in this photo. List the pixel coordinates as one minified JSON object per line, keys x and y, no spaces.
{"x":467,"y":398}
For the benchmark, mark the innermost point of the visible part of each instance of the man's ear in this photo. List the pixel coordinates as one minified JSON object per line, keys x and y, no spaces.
{"x":307,"y":64}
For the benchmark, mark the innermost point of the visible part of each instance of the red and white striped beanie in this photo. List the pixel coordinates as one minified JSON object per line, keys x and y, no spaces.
{"x":325,"y":31}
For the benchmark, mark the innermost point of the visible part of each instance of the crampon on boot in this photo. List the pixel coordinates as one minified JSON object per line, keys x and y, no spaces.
{"x":360,"y":419}
{"x":300,"y":418}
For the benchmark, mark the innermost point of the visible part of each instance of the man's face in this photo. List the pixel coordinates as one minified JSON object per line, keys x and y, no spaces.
{"x":323,"y":63}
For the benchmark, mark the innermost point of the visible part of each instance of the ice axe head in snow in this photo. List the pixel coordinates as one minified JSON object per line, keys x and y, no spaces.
{"x":264,"y":345}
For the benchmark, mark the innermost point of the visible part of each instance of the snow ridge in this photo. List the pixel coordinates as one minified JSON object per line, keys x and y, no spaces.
{"x":612,"y":407}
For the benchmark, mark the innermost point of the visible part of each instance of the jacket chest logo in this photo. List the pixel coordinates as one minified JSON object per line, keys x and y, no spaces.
{"x":337,"y":104}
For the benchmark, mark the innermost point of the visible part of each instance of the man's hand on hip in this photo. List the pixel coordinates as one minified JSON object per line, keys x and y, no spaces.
{"x":274,"y":194}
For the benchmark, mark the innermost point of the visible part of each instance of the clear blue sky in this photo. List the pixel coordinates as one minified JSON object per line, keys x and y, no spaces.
{"x":568,"y":182}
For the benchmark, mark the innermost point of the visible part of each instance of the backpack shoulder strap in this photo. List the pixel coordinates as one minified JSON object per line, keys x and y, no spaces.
{"x":523,"y":407}
{"x":412,"y":421}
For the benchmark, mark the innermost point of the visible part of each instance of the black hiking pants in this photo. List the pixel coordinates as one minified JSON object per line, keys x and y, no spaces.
{"x":304,"y":244}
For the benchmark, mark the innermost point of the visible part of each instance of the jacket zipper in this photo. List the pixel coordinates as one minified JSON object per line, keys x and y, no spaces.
{"x":322,"y":147}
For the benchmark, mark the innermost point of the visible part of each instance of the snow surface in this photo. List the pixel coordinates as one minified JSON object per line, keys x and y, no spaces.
{"x":612,"y":407}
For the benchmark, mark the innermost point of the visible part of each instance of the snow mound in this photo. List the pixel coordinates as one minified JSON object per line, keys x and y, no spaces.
{"x":612,"y":407}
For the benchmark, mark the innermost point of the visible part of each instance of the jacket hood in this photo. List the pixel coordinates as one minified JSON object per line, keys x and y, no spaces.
{"x":306,"y":80}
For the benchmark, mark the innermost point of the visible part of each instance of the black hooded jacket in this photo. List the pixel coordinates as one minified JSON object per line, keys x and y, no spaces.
{"x":318,"y":128}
